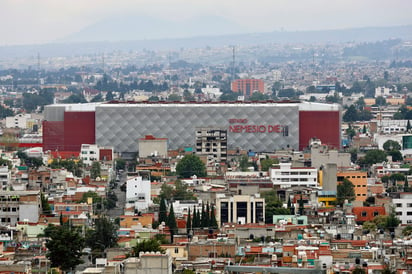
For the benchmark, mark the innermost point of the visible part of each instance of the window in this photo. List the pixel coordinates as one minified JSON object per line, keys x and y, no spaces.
{"x":409,"y":213}
{"x":364,"y":214}
{"x":176,"y":250}
{"x":375,"y":213}
{"x":398,"y":205}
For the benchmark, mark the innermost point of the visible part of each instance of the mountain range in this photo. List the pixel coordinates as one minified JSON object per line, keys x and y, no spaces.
{"x":136,"y":33}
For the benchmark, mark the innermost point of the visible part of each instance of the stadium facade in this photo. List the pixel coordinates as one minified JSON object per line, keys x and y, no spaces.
{"x":260,"y":126}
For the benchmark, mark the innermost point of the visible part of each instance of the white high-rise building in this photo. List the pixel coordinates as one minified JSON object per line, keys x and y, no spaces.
{"x":138,"y":193}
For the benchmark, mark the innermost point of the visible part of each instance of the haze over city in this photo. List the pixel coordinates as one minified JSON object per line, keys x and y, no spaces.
{"x":45,"y":21}
{"x":188,"y":137}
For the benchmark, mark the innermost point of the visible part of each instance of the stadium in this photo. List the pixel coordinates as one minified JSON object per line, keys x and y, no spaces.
{"x":256,"y":126}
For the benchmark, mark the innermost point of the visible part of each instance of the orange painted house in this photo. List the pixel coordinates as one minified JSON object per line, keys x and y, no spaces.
{"x":360,"y":181}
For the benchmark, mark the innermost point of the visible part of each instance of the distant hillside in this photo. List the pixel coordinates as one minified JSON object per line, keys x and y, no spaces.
{"x":326,"y":36}
{"x":127,"y":28}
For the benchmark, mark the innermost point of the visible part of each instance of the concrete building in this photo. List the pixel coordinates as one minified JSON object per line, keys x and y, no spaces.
{"x":284,"y":176}
{"x":19,"y":206}
{"x":138,"y":193}
{"x":152,"y":146}
{"x":181,"y":208}
{"x":5,"y":175}
{"x":248,"y":86}
{"x":240,"y":209}
{"x":213,"y":143}
{"x":19,"y":121}
{"x":382,"y":92}
{"x":149,"y":263}
{"x":89,"y":154}
{"x":322,"y":155}
{"x":359,"y":180}
{"x":403,"y":207}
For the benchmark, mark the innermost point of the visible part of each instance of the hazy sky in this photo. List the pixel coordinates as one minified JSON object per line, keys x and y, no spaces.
{"x":39,"y":21}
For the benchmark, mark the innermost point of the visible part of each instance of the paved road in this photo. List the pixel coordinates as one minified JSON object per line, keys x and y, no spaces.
{"x":121,"y":198}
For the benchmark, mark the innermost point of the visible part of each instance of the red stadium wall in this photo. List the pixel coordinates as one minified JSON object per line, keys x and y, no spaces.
{"x":79,"y":128}
{"x":324,"y":125}
{"x":53,"y":135}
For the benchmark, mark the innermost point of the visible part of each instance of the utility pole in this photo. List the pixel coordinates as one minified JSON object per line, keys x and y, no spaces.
{"x":233,"y":63}
{"x":38,"y":69}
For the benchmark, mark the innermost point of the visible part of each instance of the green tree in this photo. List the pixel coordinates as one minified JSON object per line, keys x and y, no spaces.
{"x":73,"y":166}
{"x":111,"y":199}
{"x":311,"y":89}
{"x":188,"y":222}
{"x":181,"y":192}
{"x":301,"y":208}
{"x":174,"y":98}
{"x":190,"y":165}
{"x":273,"y":206}
{"x":276,"y":86}
{"x":109,"y":96}
{"x":244,"y":163}
{"x":104,"y":234}
{"x":171,"y":222}
{"x":153,"y":99}
{"x":408,"y":126}
{"x":196,"y":218}
{"x":350,"y":132}
{"x":166,"y":192}
{"x":229,"y":96}
{"x":374,"y":156}
{"x":95,"y":170}
{"x":359,"y":270}
{"x":162,"y":211}
{"x":396,"y":155}
{"x":267,"y":163}
{"x":187,"y":96}
{"x":147,"y":246}
{"x":258,"y":96}
{"x":97,"y":98}
{"x":345,"y":191}
{"x":5,"y":112}
{"x":97,"y":201}
{"x":392,"y":221}
{"x":380,"y":101}
{"x":351,"y":114}
{"x":407,"y":231}
{"x":369,"y":226}
{"x":120,"y":164}
{"x":64,"y":247}
{"x":4,"y":162}
{"x":213,"y":221}
{"x":391,"y":145}
{"x":46,"y":209}
{"x":75,"y":99}
{"x":204,"y":219}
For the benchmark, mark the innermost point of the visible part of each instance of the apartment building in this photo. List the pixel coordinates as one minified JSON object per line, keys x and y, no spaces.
{"x":285,"y":176}
{"x":213,"y":143}
{"x":18,"y":206}
{"x":240,"y":209}
{"x":359,"y":180}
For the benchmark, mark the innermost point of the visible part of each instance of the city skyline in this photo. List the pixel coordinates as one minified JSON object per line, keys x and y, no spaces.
{"x":45,"y":21}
